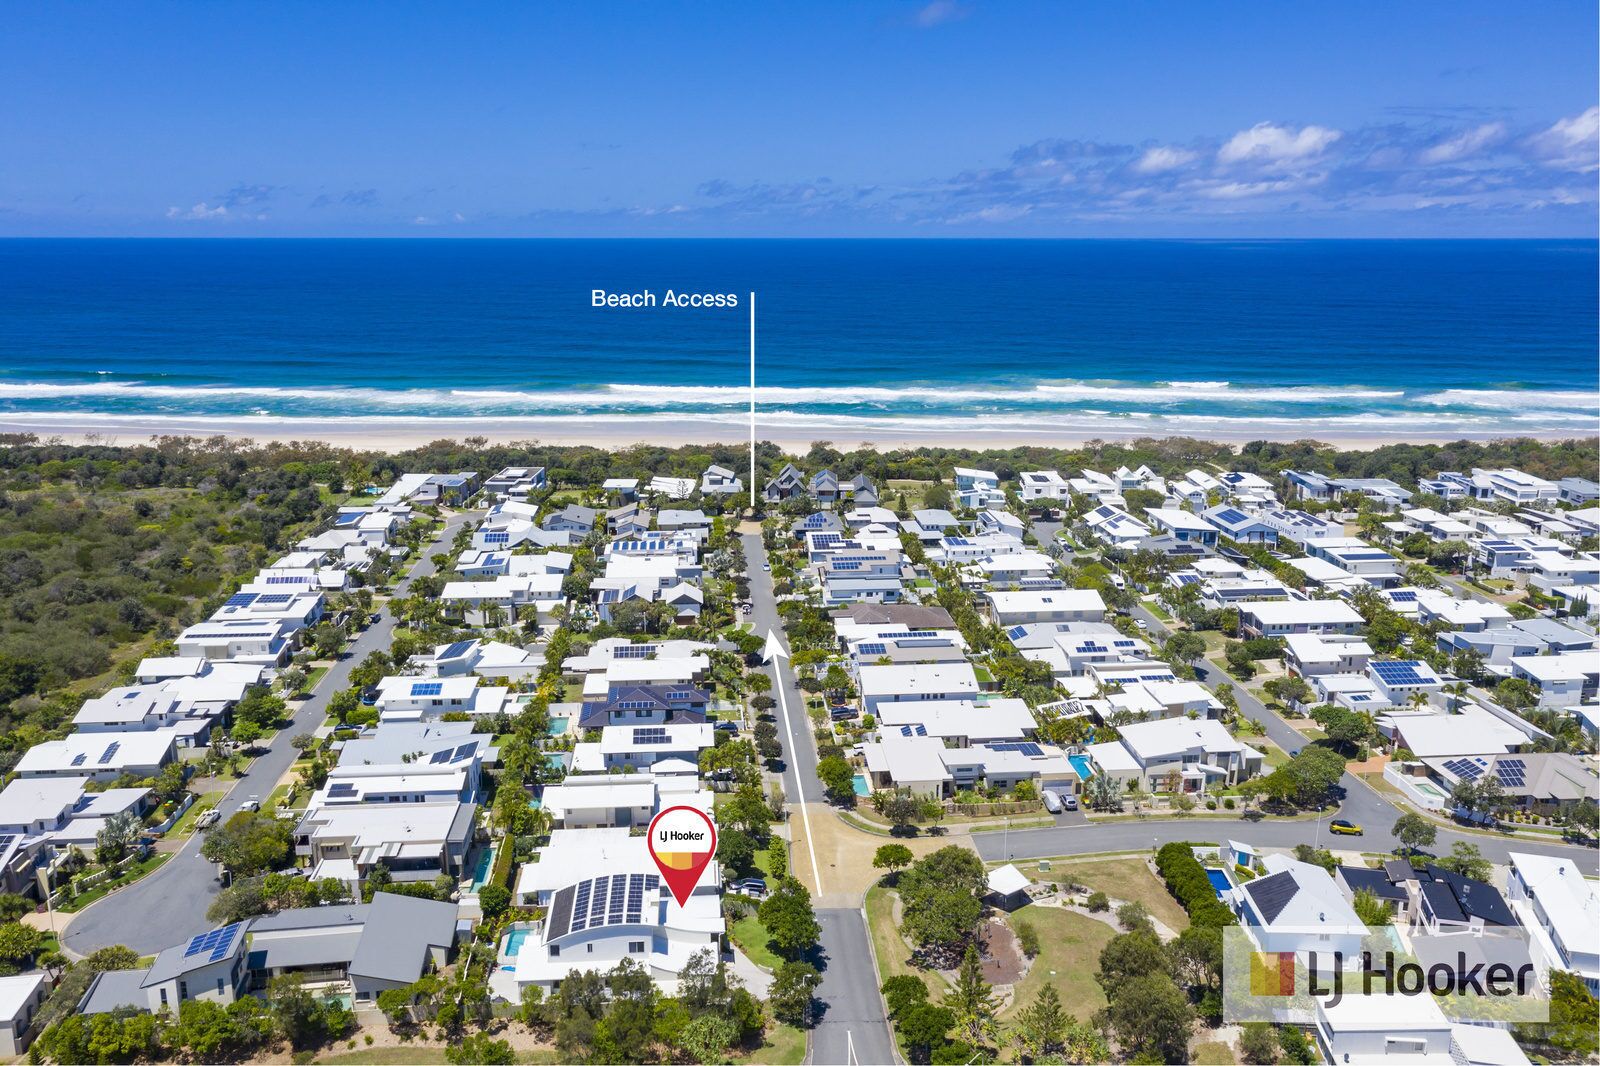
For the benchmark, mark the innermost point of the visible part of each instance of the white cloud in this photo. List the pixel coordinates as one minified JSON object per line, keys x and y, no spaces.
{"x":1572,"y":142}
{"x":1464,"y":144}
{"x":1243,"y":190}
{"x":1163,"y":158}
{"x":200,"y":212}
{"x":1265,"y":142}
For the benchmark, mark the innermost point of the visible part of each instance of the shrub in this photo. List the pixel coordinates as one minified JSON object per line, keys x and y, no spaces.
{"x":1187,"y":881}
{"x":1098,"y":902}
{"x":1227,"y":802}
{"x":1028,"y":937}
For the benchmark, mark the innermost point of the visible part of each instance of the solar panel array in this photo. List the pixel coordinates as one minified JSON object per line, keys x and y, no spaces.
{"x":1466,"y":769}
{"x":1026,"y":748}
{"x":497,"y":538}
{"x":874,"y":649}
{"x":427,"y":688}
{"x":1513,"y":773}
{"x":918,"y":730}
{"x":341,"y":788}
{"x":650,"y":735}
{"x":457,"y":649}
{"x":1403,"y":597}
{"x":1401,"y":672}
{"x":1017,"y":632}
{"x":1232,"y":516}
{"x":241,"y":599}
{"x":110,"y":752}
{"x":615,"y":899}
{"x":274,"y":598}
{"x":634,"y":651}
{"x":218,"y":942}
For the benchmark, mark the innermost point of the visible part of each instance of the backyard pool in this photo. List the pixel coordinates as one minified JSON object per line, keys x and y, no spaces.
{"x":1219,"y":880}
{"x":480,"y":868}
{"x":557,"y":726}
{"x":1082,"y":765}
{"x":861,"y":786}
{"x":514,"y":940}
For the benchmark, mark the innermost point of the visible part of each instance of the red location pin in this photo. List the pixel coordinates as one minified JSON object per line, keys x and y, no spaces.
{"x":682,"y":841}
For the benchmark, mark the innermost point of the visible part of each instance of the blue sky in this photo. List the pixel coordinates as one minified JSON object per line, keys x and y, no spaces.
{"x":950,"y":118}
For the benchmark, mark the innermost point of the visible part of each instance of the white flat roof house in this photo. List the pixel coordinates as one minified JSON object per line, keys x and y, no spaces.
{"x":1309,"y":655}
{"x":262,"y":642}
{"x":415,"y":699}
{"x":916,"y":682}
{"x":1551,"y":895}
{"x":1474,"y":731}
{"x":963,"y":722}
{"x":416,"y":841}
{"x":1562,"y":680}
{"x":1281,"y":618}
{"x":21,"y":996}
{"x":1054,"y":605}
{"x":640,"y":747}
{"x":1297,"y":907}
{"x":1042,"y":485}
{"x":101,"y":756}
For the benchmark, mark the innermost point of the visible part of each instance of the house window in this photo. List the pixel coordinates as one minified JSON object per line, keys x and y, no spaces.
{"x":163,"y":997}
{"x":555,"y":951}
{"x":219,"y":986}
{"x":635,"y":947}
{"x":183,"y":990}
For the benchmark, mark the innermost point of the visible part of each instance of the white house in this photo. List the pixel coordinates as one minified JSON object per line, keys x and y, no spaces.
{"x":1562,"y":680}
{"x":1042,"y":485}
{"x":1201,"y":752}
{"x":416,"y":699}
{"x":1552,"y":897}
{"x":1050,"y":605}
{"x":603,"y":901}
{"x":1282,"y":618}
{"x":1297,"y":907}
{"x":101,"y":756}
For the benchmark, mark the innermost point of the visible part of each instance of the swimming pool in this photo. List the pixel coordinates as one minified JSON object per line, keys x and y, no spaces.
{"x":514,"y":941}
{"x":1219,"y":880}
{"x":557,"y":726}
{"x":480,"y":868}
{"x":1082,"y":765}
{"x":862,"y":788}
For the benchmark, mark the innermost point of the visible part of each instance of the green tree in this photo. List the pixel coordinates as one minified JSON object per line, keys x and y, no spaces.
{"x":250,"y":842}
{"x":735,"y":850}
{"x":923,"y":1027}
{"x":708,"y":1037}
{"x":941,"y":902}
{"x":1150,"y":1015}
{"x":1130,"y":955}
{"x":1414,"y":831}
{"x":493,"y":900}
{"x":789,"y":920}
{"x":1466,"y":860}
{"x":1041,"y":1026}
{"x":1370,"y":909}
{"x":893,"y":858}
{"x":971,"y":1001}
{"x":18,"y":945}
{"x":793,"y":988}
{"x":837,"y":777}
{"x":1573,"y":1032}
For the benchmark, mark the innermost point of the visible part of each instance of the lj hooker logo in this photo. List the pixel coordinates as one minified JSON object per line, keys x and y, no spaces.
{"x":1272,"y":973}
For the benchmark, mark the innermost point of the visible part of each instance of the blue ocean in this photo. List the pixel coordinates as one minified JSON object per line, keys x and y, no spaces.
{"x":1269,"y":338}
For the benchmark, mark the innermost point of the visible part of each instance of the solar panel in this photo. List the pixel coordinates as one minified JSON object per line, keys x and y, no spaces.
{"x":914,"y":730}
{"x":464,"y":751}
{"x":457,"y":649}
{"x":342,"y":788}
{"x":110,"y":752}
{"x":1402,"y":597}
{"x":497,"y":538}
{"x":274,"y":598}
{"x":1465,"y":769}
{"x":241,"y":599}
{"x":427,"y":688}
{"x":634,"y":651}
{"x":650,"y":735}
{"x":1232,"y":517}
{"x":874,"y":649}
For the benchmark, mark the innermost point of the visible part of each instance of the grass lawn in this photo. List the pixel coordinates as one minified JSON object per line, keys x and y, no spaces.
{"x":764,"y":858}
{"x":1125,"y":879}
{"x":751,"y":936}
{"x":1069,"y":954}
{"x":136,"y":871}
{"x":781,"y":1045}
{"x":1212,"y":1053}
{"x":1156,"y":609}
{"x":1276,"y":756}
{"x":313,"y":676}
{"x":204,"y":803}
{"x":894,"y":955}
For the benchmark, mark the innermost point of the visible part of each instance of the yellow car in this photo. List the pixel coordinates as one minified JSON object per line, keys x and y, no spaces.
{"x":1344,"y":827}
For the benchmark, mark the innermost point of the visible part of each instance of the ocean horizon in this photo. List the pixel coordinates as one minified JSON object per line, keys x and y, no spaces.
{"x":1279,"y":339}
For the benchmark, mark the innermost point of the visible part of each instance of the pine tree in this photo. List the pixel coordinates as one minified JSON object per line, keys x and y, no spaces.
{"x":1041,"y":1027}
{"x":971,"y":1000}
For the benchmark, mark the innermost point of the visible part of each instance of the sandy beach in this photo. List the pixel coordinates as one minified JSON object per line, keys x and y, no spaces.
{"x":399,"y":434}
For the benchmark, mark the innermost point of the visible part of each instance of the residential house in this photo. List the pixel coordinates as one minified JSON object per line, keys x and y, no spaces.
{"x":978,"y":488}
{"x":572,"y":519}
{"x":603,"y":901}
{"x":388,"y":943}
{"x":1296,"y":907}
{"x":1283,"y":618}
{"x":415,"y":841}
{"x":21,"y":996}
{"x":1562,"y":680}
{"x":719,"y":481}
{"x":1560,"y":908}
{"x":788,"y":484}
{"x":101,"y":756}
{"x":1183,"y":526}
{"x":516,"y":482}
{"x":1053,"y":605}
{"x":1238,"y":526}
{"x":919,"y":682}
{"x":1042,"y":485}
{"x":417,"y":699}
{"x":1197,"y":753}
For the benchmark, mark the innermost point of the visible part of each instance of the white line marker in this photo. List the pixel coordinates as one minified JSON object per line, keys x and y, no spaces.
{"x":805,"y":811}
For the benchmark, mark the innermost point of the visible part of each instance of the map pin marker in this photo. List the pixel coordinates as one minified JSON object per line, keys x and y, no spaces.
{"x":682,"y":841}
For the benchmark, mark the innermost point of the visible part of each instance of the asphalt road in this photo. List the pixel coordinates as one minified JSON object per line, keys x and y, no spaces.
{"x":169,"y":906}
{"x":851,"y":1026}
